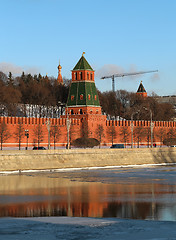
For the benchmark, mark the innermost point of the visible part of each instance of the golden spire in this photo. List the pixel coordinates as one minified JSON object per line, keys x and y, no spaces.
{"x":59,"y":67}
{"x":83,"y":54}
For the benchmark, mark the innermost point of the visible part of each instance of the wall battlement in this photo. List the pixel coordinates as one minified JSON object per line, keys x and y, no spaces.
{"x":34,"y":121}
{"x":140,"y":123}
{"x":31,"y":124}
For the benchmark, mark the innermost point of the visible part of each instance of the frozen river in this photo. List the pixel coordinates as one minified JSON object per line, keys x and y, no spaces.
{"x":135,"y":193}
{"x":90,"y":204}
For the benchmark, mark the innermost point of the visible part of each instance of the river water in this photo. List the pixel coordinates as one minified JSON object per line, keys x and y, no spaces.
{"x":135,"y":193}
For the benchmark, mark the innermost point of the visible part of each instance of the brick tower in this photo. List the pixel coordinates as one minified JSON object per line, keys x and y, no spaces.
{"x":141,"y":90}
{"x":83,"y":98}
{"x":83,"y":101}
{"x":59,"y":78}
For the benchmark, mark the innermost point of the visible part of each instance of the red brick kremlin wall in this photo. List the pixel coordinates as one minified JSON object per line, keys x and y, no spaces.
{"x":31,"y":124}
{"x":76,"y":125}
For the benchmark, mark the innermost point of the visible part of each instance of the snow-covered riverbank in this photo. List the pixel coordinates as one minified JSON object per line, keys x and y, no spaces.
{"x":52,"y":228}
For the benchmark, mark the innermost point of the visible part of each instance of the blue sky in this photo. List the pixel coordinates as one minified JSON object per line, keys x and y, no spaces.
{"x":117,"y":36}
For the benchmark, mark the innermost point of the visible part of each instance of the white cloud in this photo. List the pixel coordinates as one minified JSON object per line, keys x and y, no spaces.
{"x":9,"y":67}
{"x":108,"y":69}
{"x":155,"y":77}
{"x":17,"y":70}
{"x":32,"y":70}
{"x":133,"y":69}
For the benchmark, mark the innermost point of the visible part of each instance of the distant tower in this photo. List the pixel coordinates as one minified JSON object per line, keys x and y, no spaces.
{"x":141,"y":90}
{"x":59,"y":78}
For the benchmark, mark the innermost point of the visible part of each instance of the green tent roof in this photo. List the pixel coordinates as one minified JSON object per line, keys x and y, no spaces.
{"x":82,"y":65}
{"x":141,"y":88}
{"x":83,"y":94}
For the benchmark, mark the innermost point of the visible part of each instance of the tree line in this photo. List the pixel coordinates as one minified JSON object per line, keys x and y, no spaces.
{"x":129,"y":105}
{"x":45,"y":91}
{"x":28,"y":89}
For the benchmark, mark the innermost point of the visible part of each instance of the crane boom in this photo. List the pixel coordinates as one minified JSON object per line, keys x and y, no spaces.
{"x":124,"y":75}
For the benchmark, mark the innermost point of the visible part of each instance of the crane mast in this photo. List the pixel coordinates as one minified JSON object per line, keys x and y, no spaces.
{"x":124,"y":75}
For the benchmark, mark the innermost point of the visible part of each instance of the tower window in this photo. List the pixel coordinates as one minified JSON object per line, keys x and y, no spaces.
{"x":81,"y":112}
{"x":91,"y":76}
{"x":80,"y":75}
{"x":87,"y":76}
{"x":75,"y":75}
{"x":81,"y":97}
{"x":72,"y":111}
{"x":72,"y":97}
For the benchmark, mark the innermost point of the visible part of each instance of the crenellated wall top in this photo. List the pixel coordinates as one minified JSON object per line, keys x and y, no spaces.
{"x":140,"y":123}
{"x":34,"y":121}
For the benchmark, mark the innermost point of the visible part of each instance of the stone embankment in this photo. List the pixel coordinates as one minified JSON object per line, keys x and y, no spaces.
{"x":83,"y":158}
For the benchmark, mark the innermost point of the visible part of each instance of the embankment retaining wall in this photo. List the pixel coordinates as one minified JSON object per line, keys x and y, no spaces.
{"x":81,"y":158}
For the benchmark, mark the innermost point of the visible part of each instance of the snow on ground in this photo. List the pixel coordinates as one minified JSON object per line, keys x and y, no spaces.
{"x":52,"y":228}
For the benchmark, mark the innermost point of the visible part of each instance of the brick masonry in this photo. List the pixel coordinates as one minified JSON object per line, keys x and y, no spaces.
{"x":76,"y":124}
{"x":83,"y":158}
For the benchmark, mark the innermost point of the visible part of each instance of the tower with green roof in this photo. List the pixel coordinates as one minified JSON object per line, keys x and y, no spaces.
{"x":83,"y":97}
{"x":141,"y":90}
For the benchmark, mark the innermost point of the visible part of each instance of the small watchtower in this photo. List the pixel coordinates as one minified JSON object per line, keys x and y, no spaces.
{"x":141,"y":90}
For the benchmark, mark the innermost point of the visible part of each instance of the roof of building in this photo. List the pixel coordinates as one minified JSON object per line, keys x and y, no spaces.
{"x":141,"y":88}
{"x":82,"y":64}
{"x":83,"y":94}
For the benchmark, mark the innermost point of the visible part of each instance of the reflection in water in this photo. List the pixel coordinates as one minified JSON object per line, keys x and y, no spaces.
{"x":125,"y":193}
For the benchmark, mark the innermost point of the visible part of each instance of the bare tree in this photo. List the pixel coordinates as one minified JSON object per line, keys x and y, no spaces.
{"x":148,"y":135}
{"x":125,"y":133}
{"x":139,"y":133}
{"x":4,"y":133}
{"x":19,"y":133}
{"x":161,"y":134}
{"x":38,"y":133}
{"x":171,"y":133}
{"x":55,"y":134}
{"x":100,"y":133}
{"x":170,"y":138}
{"x":111,"y":132}
{"x":110,"y":104}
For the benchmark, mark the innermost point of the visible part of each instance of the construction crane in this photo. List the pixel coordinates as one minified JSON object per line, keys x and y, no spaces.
{"x":124,"y":75}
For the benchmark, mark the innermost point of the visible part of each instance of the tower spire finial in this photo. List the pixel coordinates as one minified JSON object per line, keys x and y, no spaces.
{"x":59,"y":79}
{"x":83,"y":54}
